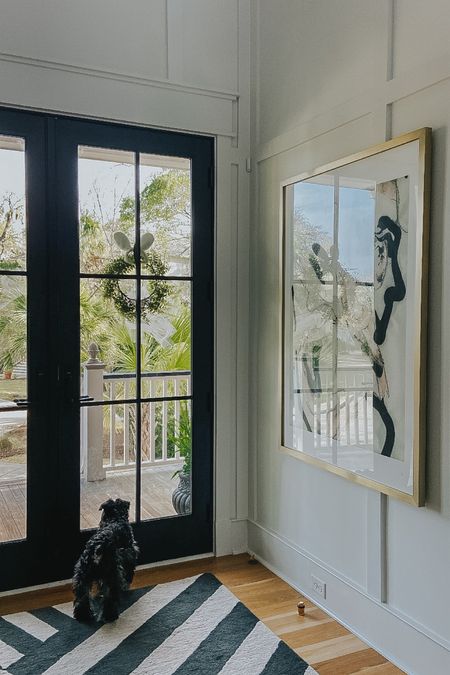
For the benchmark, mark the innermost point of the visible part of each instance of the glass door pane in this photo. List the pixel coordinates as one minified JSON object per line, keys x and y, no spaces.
{"x":13,"y":341}
{"x":135,"y":330}
{"x":106,"y":187}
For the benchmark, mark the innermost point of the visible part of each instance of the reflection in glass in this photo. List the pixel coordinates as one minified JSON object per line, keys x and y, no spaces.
{"x":12,"y":204}
{"x":312,"y":223}
{"x":356,"y":229}
{"x":354,"y":367}
{"x":166,"y":210}
{"x":106,"y":210}
{"x":13,"y":473}
{"x":312,"y":364}
{"x":331,"y":221}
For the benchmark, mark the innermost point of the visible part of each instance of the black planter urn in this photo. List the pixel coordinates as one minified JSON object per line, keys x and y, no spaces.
{"x":181,"y":496}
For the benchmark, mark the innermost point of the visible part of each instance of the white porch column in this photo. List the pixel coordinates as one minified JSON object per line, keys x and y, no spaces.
{"x":93,"y":378}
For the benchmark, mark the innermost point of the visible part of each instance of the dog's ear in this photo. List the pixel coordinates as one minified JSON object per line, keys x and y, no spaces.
{"x":107,"y":506}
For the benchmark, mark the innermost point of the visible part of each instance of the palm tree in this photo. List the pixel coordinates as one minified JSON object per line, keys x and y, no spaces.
{"x":13,"y":323}
{"x":154,"y":358}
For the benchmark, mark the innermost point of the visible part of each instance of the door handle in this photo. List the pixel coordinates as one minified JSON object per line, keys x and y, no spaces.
{"x":21,"y":402}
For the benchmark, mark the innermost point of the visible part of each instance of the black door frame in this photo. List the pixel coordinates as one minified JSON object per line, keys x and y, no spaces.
{"x":25,"y":562}
{"x":54,"y":537}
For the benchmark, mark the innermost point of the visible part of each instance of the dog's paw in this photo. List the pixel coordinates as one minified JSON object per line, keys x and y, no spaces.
{"x":110,"y":615}
{"x":82,"y":612}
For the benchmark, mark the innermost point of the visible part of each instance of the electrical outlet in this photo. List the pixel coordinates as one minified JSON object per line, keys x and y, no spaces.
{"x":319,"y":586}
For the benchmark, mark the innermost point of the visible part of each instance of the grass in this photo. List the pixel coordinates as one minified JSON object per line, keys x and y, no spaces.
{"x":13,"y":445}
{"x":10,"y":389}
{"x":13,"y":442}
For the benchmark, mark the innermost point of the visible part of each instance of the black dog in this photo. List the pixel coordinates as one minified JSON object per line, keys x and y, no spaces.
{"x":106,"y":566}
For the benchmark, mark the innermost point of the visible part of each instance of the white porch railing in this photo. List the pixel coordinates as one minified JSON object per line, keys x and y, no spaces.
{"x":339,"y":408}
{"x":156,"y":417}
{"x":108,"y":432}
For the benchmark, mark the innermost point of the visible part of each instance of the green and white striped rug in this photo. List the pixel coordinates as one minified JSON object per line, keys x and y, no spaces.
{"x":187,"y":627}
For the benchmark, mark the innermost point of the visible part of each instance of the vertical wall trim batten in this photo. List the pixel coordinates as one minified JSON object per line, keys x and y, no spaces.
{"x":377,"y":503}
{"x":166,"y":18}
{"x":390,"y":36}
{"x":234,"y":294}
{"x":253,"y":258}
{"x":174,"y":42}
{"x":242,"y":258}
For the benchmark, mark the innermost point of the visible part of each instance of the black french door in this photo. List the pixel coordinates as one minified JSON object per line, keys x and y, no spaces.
{"x":106,"y":339}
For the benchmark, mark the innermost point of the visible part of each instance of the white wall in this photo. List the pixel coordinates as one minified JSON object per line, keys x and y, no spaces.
{"x":179,"y":64}
{"x":331,"y":77}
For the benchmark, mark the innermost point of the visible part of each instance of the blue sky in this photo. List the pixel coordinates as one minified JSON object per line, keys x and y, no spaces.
{"x":356,"y":222}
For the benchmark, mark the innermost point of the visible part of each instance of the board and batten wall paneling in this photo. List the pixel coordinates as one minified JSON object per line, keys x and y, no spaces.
{"x":204,"y":52}
{"x":421,"y":33}
{"x":311,"y":64}
{"x":333,"y":78}
{"x":158,"y":62}
{"x":127,"y":37}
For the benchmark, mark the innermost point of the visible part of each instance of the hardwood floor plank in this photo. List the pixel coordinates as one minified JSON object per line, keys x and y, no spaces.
{"x":331,"y":649}
{"x":309,"y":636}
{"x":291,"y":622}
{"x":382,"y":669}
{"x":351,"y":663}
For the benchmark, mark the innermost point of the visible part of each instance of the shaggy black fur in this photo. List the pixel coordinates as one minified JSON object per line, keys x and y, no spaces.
{"x":106,"y":566}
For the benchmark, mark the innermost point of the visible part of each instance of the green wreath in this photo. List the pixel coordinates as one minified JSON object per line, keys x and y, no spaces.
{"x":158,"y":290}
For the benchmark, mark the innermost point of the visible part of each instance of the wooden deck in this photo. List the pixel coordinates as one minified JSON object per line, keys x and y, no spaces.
{"x":329,"y":647}
{"x":157,"y":488}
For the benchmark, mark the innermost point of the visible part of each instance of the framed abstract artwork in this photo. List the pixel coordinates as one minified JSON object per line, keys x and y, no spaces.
{"x":354,"y":296}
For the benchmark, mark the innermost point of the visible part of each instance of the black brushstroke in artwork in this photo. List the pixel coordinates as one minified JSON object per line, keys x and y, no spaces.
{"x":387,"y":238}
{"x":388,"y":233}
{"x":380,"y":407}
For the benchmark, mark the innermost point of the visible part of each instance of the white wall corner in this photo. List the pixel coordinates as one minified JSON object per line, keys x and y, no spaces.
{"x":239,"y":536}
{"x":231,"y":537}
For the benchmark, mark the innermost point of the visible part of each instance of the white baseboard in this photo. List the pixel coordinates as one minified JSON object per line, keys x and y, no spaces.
{"x":375,"y":623}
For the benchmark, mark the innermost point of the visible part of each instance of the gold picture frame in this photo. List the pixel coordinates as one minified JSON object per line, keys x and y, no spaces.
{"x":330,"y":206}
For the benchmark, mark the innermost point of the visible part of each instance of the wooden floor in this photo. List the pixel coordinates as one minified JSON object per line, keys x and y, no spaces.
{"x":157,"y":487}
{"x":320,"y":640}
